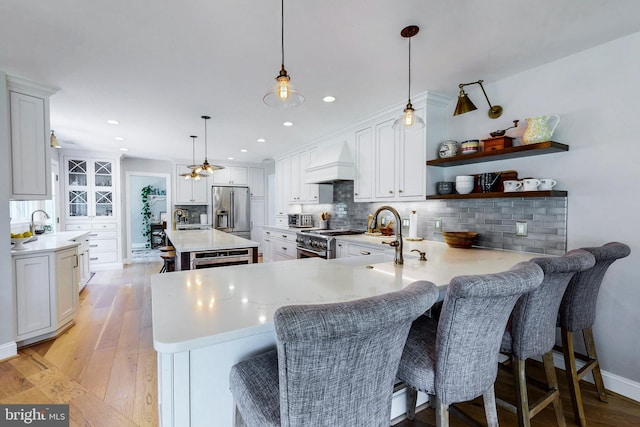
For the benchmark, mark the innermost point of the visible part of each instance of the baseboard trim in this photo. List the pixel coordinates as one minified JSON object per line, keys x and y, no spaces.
{"x":617,"y":384}
{"x":8,"y":350}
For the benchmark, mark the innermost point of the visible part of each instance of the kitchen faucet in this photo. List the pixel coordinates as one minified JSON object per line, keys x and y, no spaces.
{"x":32,"y":227}
{"x":397,"y":244}
{"x":175,"y":217}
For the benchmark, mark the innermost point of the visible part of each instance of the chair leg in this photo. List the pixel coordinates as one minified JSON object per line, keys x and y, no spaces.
{"x":522,"y":399}
{"x":412,"y":398}
{"x":552,"y":381}
{"x":590,"y":345}
{"x":442,"y":414}
{"x":572,"y":377}
{"x":489,"y":399}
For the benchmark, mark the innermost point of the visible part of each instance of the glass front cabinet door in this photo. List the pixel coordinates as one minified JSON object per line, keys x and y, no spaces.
{"x":90,"y":191}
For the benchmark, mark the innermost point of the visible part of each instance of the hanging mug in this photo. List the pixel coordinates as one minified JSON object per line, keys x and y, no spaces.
{"x":538,"y":129}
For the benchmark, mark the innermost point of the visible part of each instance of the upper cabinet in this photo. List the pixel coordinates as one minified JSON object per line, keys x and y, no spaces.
{"x":30,"y":146}
{"x":190,"y":191}
{"x":232,"y":175}
{"x":256,"y":182}
{"x":90,"y":188}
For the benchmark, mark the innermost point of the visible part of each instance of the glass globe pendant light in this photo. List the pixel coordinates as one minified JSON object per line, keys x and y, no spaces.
{"x":283,"y":95}
{"x":206,"y":166}
{"x":409,"y":120}
{"x":195,"y":175}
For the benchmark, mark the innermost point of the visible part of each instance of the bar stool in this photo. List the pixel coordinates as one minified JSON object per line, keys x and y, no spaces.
{"x":166,"y":248}
{"x":578,"y":313}
{"x":169,"y":259}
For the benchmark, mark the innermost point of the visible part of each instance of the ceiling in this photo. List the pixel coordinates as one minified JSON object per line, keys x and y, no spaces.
{"x":157,"y":66}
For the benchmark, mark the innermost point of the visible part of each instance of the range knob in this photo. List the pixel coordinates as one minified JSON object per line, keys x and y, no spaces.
{"x":323,"y":245}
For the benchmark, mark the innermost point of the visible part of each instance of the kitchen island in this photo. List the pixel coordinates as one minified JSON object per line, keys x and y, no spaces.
{"x":205,"y":321}
{"x":210,"y":242}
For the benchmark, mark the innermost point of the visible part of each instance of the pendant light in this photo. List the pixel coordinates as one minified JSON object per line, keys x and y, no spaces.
{"x":53,"y":140}
{"x":193,"y":174}
{"x":206,"y":166}
{"x":283,"y":95}
{"x":408,"y":119}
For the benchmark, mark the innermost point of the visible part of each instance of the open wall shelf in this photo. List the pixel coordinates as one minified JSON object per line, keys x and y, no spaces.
{"x":520,"y":194}
{"x":505,"y":153}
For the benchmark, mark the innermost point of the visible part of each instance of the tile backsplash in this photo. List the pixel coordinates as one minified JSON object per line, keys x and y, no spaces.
{"x":493,"y":219}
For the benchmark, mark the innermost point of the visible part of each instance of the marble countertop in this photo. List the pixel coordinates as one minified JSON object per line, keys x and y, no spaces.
{"x":197,"y":308}
{"x":209,"y":239}
{"x":51,"y":242}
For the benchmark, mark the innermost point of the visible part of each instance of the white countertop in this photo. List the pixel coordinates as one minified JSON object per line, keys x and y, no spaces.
{"x":51,"y":242}
{"x":197,"y":308}
{"x":202,"y":240}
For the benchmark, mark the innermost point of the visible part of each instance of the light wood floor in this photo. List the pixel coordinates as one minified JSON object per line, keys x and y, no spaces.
{"x":105,"y":366}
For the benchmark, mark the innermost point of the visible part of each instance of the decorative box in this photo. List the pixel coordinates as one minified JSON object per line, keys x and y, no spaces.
{"x":497,"y":143}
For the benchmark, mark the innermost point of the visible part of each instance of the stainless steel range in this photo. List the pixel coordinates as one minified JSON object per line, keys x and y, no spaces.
{"x":320,"y":243}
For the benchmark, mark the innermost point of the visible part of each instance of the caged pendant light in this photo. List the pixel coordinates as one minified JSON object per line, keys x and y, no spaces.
{"x":409,"y":120}
{"x":206,"y":166}
{"x":283,"y":95}
{"x":193,"y":174}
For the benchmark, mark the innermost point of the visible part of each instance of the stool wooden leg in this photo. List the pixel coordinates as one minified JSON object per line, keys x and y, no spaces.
{"x":572,"y":377}
{"x":490,"y":410}
{"x":442,"y":414}
{"x":552,"y":381}
{"x":590,"y":345}
{"x":412,"y":398}
{"x":522,"y":399}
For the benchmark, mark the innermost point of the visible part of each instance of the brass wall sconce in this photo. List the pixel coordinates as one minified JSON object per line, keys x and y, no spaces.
{"x":465,"y":105}
{"x":53,"y":141}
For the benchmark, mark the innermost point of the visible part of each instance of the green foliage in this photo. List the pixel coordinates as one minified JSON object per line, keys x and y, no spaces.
{"x":146,"y":213}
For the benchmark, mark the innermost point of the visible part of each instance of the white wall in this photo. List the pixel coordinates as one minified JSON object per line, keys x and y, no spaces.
{"x":595,"y":92}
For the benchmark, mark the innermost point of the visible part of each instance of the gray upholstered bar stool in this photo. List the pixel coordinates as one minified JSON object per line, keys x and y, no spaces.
{"x":335,"y":364}
{"x":578,"y":313}
{"x":455,"y":359}
{"x":531,"y":332}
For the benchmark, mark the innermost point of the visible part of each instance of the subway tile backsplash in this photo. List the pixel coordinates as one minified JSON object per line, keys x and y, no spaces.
{"x":493,"y":219}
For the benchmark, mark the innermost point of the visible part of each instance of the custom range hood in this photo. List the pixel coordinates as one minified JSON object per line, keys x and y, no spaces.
{"x":331,"y":163}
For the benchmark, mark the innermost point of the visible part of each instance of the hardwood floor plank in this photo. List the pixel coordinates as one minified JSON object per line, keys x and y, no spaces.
{"x":29,"y":363}
{"x":145,"y":409}
{"x":98,"y":371}
{"x":121,"y":387}
{"x":57,"y":386}
{"x":89,"y":411}
{"x":13,"y":381}
{"x":30,"y":395}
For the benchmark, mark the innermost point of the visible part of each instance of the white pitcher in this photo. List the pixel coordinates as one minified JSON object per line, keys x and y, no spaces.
{"x":538,"y":129}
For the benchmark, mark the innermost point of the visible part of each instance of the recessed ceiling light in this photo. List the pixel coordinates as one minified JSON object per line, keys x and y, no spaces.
{"x":113,"y":122}
{"x":288,"y":124}
{"x":261,"y":140}
{"x":119,"y":138}
{"x":329,"y":98}
{"x":243,"y":150}
{"x":230,"y":158}
{"x":124,"y":149}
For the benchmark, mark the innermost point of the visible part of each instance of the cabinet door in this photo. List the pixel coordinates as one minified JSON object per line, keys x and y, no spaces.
{"x":267,"y":247}
{"x":66,"y":285}
{"x":385,"y":168}
{"x":282,"y":198}
{"x":256,"y":182}
{"x":222,"y":176}
{"x":77,"y":185}
{"x":189,"y":191}
{"x":239,"y":175}
{"x":103,"y":188}
{"x":412,"y":160}
{"x":30,"y":164}
{"x":363,"y":183}
{"x":295,"y":195}
{"x":33,"y":298}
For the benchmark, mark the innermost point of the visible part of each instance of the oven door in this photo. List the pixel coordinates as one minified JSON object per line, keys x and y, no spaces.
{"x":310,"y":253}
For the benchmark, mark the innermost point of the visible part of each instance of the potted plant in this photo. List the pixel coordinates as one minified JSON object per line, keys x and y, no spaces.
{"x":146,"y":214}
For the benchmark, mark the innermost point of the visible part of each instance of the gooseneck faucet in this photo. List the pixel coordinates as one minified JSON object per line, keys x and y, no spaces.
{"x":175,"y":217}
{"x":397,"y":244}
{"x":32,"y":227}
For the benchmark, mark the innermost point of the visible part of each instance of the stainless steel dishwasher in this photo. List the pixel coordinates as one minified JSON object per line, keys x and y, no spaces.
{"x":220,"y":258}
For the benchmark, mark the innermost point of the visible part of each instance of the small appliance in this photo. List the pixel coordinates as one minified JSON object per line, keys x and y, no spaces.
{"x":300,"y":220}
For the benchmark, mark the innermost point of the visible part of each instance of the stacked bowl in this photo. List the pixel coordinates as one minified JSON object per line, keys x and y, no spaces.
{"x":465,"y":184}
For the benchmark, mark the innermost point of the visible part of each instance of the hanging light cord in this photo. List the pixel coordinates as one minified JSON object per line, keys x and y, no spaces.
{"x":282,"y":30}
{"x":409,"y":96}
{"x":205,"y":140}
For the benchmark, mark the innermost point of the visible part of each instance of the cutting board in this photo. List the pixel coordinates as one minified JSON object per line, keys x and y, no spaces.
{"x":504,"y":176}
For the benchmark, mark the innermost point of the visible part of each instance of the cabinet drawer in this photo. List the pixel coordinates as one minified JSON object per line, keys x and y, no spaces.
{"x":105,"y":226}
{"x":75,"y":227}
{"x":359,"y":250}
{"x":98,"y":235}
{"x":103,"y":257}
{"x":287,"y":248}
{"x":103,"y":245}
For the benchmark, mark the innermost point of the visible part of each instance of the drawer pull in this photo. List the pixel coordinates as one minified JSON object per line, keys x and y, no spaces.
{"x":284,"y":248}
{"x":94,"y":258}
{"x":93,"y":246}
{"x":284,"y":236}
{"x":365,"y":253}
{"x":93,"y":235}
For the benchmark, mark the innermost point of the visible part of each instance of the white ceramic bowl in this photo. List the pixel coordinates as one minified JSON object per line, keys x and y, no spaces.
{"x":464,"y":178}
{"x":464,"y":187}
{"x":18,"y":243}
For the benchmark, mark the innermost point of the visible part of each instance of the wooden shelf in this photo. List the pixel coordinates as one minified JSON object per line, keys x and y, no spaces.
{"x":506,"y":153}
{"x":519,"y":194}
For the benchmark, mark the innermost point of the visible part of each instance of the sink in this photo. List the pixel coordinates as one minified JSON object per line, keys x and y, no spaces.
{"x":388,"y":256}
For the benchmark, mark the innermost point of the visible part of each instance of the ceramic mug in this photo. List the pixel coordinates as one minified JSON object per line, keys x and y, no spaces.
{"x":530,"y":184}
{"x":547,"y":184}
{"x":512,"y":185}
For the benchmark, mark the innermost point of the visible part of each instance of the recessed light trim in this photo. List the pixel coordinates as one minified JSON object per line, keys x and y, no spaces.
{"x":124,"y":149}
{"x":287,"y":124}
{"x":243,"y":150}
{"x":113,"y":122}
{"x":120,"y":138}
{"x":230,"y":158}
{"x":261,"y":140}
{"x":329,"y":98}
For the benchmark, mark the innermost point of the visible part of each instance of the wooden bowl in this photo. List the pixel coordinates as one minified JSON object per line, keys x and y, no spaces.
{"x":460,"y":239}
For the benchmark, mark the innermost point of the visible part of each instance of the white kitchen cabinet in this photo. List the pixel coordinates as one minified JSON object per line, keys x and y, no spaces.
{"x":346,"y":249}
{"x":291,"y":177}
{"x":283,"y":183}
{"x":363,"y":183}
{"x":46,"y":294}
{"x":30,"y":146}
{"x":266,"y":246}
{"x":256,"y":182}
{"x":84,"y":270}
{"x":190,"y":191}
{"x":257,"y":220}
{"x":231,"y":175}
{"x":282,"y":245}
{"x":385,"y":160}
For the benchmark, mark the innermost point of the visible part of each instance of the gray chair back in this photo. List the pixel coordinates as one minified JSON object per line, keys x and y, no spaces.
{"x":533,"y":322}
{"x":578,"y":307}
{"x":472,"y":322}
{"x":337,"y":362}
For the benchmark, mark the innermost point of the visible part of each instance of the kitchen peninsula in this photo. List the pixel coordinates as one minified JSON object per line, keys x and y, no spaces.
{"x":217,"y":246}
{"x":205,"y":321}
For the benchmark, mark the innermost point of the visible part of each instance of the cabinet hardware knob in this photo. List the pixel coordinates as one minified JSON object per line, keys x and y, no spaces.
{"x":355,"y":194}
{"x":284,"y":249}
{"x":390,"y":192}
{"x":399,"y":191}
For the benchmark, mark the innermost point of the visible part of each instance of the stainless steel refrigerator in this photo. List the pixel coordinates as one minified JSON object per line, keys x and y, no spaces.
{"x":231,"y":210}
